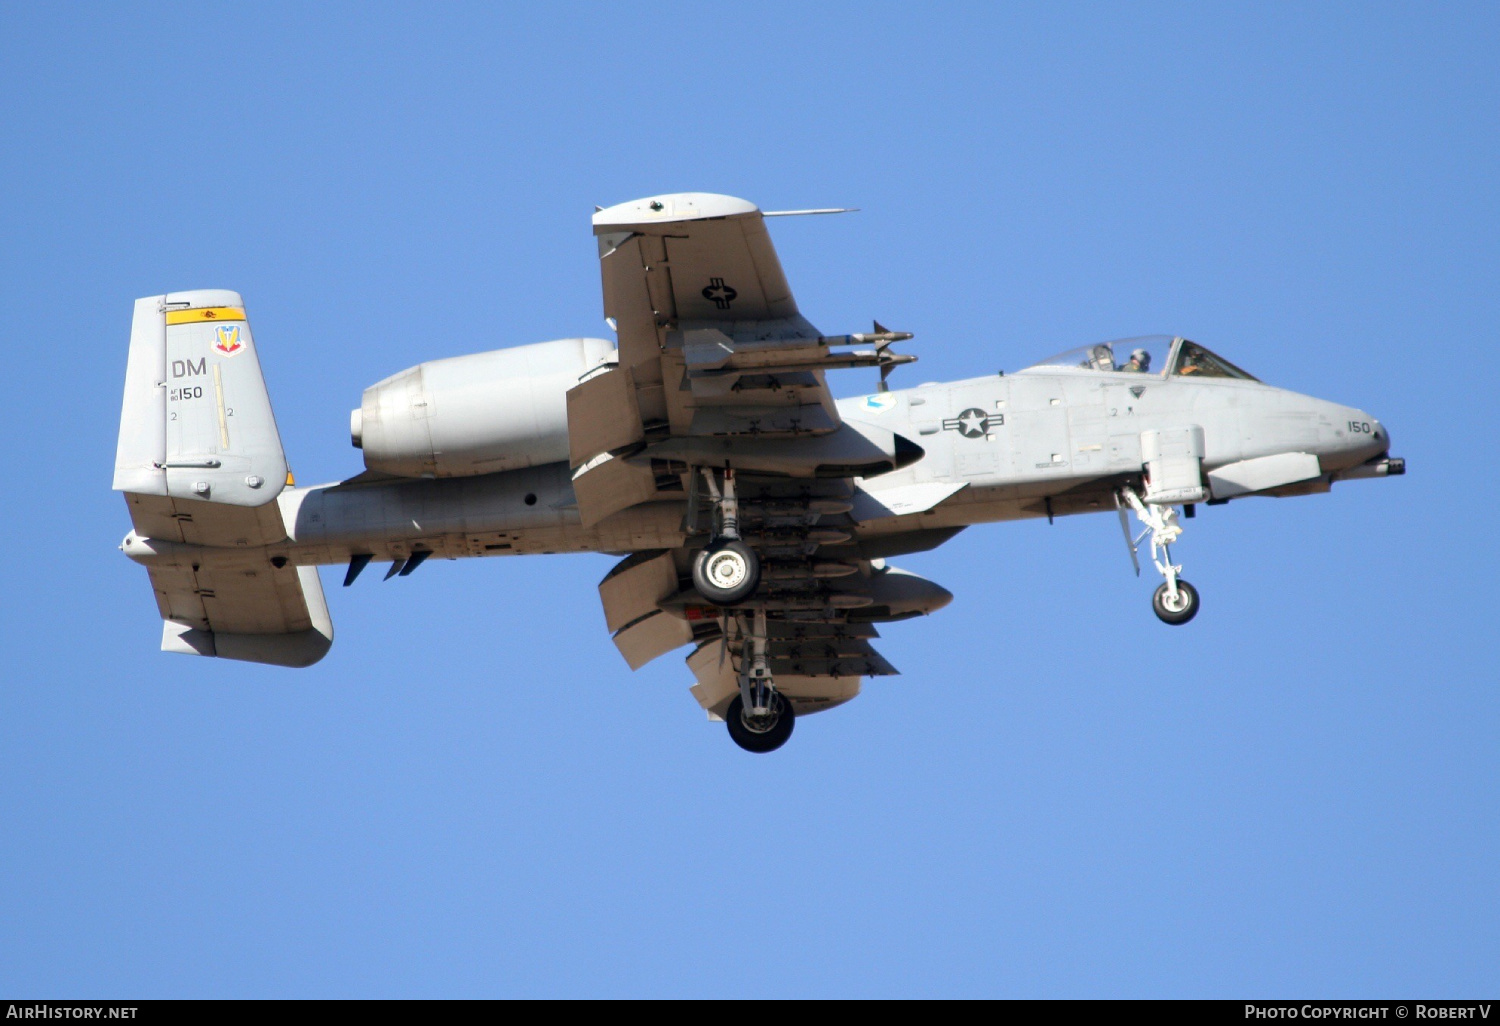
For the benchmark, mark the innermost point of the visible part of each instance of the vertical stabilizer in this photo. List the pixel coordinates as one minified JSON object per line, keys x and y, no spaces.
{"x":196,"y":421}
{"x":200,"y":463}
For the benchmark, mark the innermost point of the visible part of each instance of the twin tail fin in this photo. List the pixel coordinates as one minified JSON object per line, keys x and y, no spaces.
{"x":200,"y":463}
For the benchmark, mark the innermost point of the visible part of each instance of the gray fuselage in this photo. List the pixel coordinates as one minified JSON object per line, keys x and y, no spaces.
{"x":1036,"y":443}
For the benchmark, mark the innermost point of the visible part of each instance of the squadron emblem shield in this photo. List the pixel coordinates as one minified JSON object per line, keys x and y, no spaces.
{"x":228,"y":342}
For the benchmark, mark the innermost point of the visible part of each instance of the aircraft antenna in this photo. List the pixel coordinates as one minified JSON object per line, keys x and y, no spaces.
{"x":804,"y":213}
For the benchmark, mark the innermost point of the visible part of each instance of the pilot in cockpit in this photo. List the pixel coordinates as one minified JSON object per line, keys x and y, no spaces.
{"x":1140,"y":362}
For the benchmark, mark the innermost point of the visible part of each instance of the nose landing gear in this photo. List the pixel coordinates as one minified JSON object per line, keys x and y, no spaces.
{"x":1178,"y":608}
{"x":1175,"y":601}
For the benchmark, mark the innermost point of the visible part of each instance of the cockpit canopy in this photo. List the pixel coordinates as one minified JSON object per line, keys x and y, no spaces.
{"x":1157,"y":355}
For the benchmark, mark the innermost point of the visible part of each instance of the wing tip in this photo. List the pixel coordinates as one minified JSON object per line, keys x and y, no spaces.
{"x":679,"y":206}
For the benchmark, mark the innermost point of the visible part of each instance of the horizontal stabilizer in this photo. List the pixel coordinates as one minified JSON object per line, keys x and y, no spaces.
{"x":267,"y":615}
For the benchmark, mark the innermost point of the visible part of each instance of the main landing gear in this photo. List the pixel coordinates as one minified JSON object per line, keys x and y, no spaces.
{"x":727,"y":571}
{"x":759,"y":719}
{"x":760,"y":733}
{"x":1175,"y":601}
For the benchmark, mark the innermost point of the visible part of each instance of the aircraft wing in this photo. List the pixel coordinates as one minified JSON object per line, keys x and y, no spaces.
{"x":717,"y":367}
{"x":711,"y":346}
{"x":694,"y":266}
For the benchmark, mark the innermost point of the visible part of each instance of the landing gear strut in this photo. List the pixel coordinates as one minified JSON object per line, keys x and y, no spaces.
{"x":1175,"y":601}
{"x":759,"y":718}
{"x":727,"y":572}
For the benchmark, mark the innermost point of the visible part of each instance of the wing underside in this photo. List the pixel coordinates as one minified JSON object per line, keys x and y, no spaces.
{"x":720,"y":375}
{"x":822,"y":598}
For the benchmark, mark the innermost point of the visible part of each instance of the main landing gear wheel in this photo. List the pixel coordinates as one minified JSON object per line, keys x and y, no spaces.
{"x":1179,"y":610}
{"x":760,"y":734}
{"x":727,"y":572}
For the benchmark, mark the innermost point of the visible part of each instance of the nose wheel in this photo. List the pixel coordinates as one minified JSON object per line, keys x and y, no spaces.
{"x":1178,"y":608}
{"x":1175,"y":601}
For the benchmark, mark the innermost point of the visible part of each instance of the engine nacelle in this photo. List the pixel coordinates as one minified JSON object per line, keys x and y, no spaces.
{"x":476,"y":414}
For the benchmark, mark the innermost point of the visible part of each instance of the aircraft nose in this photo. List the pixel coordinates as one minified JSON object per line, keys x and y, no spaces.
{"x":1364,"y":436}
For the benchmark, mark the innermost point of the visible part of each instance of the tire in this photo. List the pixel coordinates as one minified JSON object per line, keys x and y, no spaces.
{"x":767,"y":741}
{"x":1189,"y":596}
{"x":726,"y":573}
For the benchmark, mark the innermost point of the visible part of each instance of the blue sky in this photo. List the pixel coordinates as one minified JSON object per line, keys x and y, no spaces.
{"x":473,"y":796}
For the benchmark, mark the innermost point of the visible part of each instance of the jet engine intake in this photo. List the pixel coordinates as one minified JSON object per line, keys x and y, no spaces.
{"x":476,"y":414}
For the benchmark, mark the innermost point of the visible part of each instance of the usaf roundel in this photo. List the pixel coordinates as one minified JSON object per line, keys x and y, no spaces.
{"x":972,"y":423}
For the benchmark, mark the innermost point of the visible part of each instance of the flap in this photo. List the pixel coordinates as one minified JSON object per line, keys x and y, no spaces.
{"x":606,"y":485}
{"x":634,"y":587}
{"x":653,"y":635}
{"x":604,"y":415}
{"x":714,"y":670}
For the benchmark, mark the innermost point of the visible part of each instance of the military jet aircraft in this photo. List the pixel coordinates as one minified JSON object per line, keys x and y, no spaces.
{"x":753,"y":511}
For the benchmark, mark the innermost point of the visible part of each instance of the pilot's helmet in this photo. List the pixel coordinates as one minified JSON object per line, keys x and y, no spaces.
{"x":1142,"y":357}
